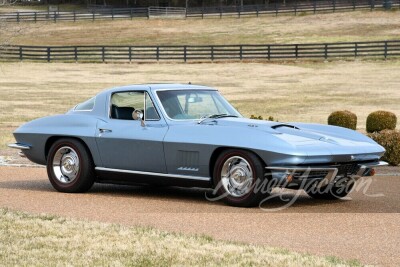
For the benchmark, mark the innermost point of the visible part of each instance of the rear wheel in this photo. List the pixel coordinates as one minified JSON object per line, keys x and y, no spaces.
{"x":340,"y":189}
{"x":70,"y":167}
{"x":236,"y":174}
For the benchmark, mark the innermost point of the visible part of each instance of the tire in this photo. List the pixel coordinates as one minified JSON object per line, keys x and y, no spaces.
{"x":340,"y":189}
{"x":242,"y":165}
{"x":70,"y":166}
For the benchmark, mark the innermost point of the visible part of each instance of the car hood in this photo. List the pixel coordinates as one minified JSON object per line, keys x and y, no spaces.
{"x":314,"y":139}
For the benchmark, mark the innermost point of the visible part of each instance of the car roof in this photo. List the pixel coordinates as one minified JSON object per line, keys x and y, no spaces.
{"x":156,"y":86}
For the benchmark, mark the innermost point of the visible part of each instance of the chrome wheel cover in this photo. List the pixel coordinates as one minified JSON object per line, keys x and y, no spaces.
{"x":66,"y":164}
{"x":237,"y":176}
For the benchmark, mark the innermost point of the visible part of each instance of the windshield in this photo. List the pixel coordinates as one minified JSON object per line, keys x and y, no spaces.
{"x":195,"y":104}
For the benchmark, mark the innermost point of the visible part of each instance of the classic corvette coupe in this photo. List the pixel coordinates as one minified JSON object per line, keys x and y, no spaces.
{"x":188,"y":135}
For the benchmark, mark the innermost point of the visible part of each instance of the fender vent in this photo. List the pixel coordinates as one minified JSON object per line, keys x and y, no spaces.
{"x":188,"y":160}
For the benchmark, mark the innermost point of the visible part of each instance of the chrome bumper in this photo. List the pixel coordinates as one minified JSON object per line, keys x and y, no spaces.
{"x":21,"y":147}
{"x":332,"y":172}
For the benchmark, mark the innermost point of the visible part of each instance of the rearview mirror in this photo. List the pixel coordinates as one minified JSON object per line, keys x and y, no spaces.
{"x":196,"y":99}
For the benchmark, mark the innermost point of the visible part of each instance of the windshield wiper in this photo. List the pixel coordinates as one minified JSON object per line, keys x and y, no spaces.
{"x":216,"y":116}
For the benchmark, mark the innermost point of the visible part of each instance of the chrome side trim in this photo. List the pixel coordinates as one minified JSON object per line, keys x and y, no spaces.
{"x":200,"y":178}
{"x":19,"y":146}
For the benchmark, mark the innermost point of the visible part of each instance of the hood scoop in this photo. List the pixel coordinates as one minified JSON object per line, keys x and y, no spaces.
{"x":284,"y":125}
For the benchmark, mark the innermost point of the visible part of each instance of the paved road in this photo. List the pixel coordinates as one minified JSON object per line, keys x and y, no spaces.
{"x":366,"y":228}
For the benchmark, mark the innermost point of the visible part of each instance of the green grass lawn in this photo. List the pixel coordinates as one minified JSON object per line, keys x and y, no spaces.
{"x":46,"y":240}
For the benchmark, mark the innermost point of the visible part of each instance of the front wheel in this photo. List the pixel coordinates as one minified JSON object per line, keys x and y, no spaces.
{"x":238,"y":177}
{"x":70,"y":167}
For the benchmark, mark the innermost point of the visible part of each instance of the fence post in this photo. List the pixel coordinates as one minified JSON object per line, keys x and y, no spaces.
{"x":202,"y":13}
{"x":184,"y":53}
{"x":93,"y":15}
{"x":296,"y":50}
{"x":148,"y":13}
{"x":257,"y":10}
{"x":212,"y":53}
{"x":131,"y":13}
{"x":241,"y":52}
{"x":48,"y":54}
{"x":17,"y":16}
{"x":74,"y":15}
{"x":112,"y":13}
{"x":20,"y":53}
{"x":354,"y":5}
{"x":76,"y":54}
{"x":295,"y":8}
{"x":55,"y":17}
{"x":386,"y":49}
{"x":326,"y":51}
{"x":158,"y":53}
{"x":35,"y":16}
{"x":103,"y":52}
{"x":276,"y":9}
{"x":355,"y":50}
{"x":315,"y":6}
{"x":220,"y":13}
{"x":269,"y":52}
{"x":238,"y":12}
{"x":334,"y":5}
{"x":130,"y":54}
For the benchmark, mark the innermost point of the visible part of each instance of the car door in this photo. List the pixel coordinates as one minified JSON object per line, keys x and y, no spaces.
{"x":128,"y":144}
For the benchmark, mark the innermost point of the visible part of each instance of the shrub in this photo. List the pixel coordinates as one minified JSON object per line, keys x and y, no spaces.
{"x":256,"y":117}
{"x":381,"y":120}
{"x":343,"y":118}
{"x":270,"y":118}
{"x":390,"y":140}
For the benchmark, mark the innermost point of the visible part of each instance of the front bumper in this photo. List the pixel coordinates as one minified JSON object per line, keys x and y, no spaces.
{"x":323,"y":175}
{"x":20,"y":146}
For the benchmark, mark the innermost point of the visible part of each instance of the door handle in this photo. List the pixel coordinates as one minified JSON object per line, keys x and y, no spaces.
{"x":101,"y":130}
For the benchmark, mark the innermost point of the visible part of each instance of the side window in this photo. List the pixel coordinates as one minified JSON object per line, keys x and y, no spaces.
{"x":123,"y":104}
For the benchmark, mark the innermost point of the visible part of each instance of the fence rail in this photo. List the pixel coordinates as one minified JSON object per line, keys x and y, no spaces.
{"x":294,"y":8}
{"x":378,"y":49}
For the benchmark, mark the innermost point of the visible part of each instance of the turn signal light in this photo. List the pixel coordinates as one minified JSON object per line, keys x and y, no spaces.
{"x":372,"y":172}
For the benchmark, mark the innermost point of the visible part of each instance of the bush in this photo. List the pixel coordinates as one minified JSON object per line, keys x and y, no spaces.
{"x":390,"y":140}
{"x":256,"y":117}
{"x":381,"y":120}
{"x":270,"y":118}
{"x":343,"y":118}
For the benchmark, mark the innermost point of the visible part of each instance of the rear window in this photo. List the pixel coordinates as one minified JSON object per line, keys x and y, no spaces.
{"x":86,"y":106}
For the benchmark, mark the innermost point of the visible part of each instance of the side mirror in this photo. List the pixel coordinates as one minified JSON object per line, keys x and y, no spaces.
{"x":138,"y":115}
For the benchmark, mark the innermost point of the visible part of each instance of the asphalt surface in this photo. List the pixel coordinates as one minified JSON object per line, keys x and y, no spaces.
{"x":366,"y":228}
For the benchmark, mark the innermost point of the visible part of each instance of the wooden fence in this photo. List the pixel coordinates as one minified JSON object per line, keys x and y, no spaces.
{"x":194,"y":53}
{"x":295,"y":8}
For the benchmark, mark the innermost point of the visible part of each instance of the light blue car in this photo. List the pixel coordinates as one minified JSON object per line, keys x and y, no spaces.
{"x":189,"y":135}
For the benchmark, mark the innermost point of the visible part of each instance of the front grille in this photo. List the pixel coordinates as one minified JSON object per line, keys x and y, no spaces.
{"x":348,"y":169}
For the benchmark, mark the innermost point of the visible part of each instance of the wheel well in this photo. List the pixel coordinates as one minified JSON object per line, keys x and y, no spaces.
{"x":218,"y":152}
{"x":53,"y":139}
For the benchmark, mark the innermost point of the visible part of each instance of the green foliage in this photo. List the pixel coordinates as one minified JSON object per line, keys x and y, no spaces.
{"x":381,"y":120}
{"x":390,"y":140}
{"x":256,"y":117}
{"x":270,"y":118}
{"x":343,"y":118}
